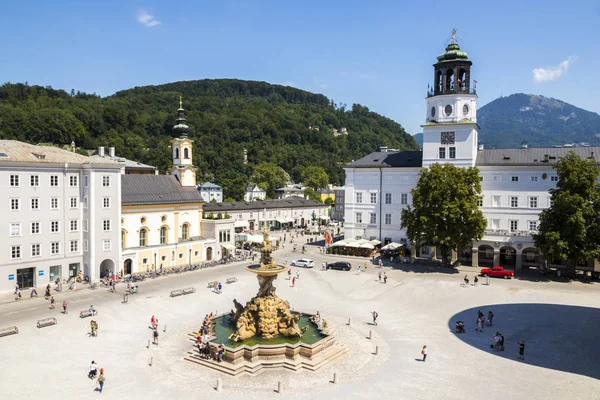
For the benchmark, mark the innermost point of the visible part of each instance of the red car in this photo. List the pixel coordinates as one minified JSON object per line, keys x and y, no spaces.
{"x":497,"y":271}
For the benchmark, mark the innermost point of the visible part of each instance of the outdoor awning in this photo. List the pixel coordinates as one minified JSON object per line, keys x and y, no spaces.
{"x":240,"y":224}
{"x":375,"y":242}
{"x":290,"y":219}
{"x":325,"y":218}
{"x":392,"y":246}
{"x":228,"y":246}
{"x":341,"y":243}
{"x":353,"y":244}
{"x":367,"y":246}
{"x":282,"y":220}
{"x":362,"y":241}
{"x":255,"y":238}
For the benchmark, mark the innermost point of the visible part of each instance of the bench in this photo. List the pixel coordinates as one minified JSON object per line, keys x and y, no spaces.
{"x":86,"y":313}
{"x":11,"y":330}
{"x":175,"y":293}
{"x":46,"y":322}
{"x":231,"y":280}
{"x":212,"y":284}
{"x":189,"y":290}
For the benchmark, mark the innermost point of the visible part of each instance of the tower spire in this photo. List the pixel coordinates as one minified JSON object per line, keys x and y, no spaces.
{"x":181,"y":128}
{"x":453,"y":37}
{"x":180,"y":103}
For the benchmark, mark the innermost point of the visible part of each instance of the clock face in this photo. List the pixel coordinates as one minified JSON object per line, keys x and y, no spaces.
{"x":432,"y":112}
{"x":448,"y":110}
{"x":466,"y":109}
{"x":447,"y":138}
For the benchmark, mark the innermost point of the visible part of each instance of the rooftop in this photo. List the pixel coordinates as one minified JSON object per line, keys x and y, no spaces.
{"x":16,"y":151}
{"x":127,"y":163}
{"x":209,"y":185}
{"x":389,"y":159}
{"x":290,"y":202}
{"x":156,"y":189}
{"x":532,"y":156}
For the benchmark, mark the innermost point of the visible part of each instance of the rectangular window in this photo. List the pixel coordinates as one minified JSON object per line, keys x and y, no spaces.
{"x":554,"y":178}
{"x":359,"y":218}
{"x":533,"y":225}
{"x":373,"y":198}
{"x":54,"y":226}
{"x":35,"y":228}
{"x":54,"y":247}
{"x":15,"y":204}
{"x":480,"y":202}
{"x":388,"y":198}
{"x":495,"y":201}
{"x":73,"y":202}
{"x":163,"y":258}
{"x":106,"y":245}
{"x":35,"y":204}
{"x":180,"y":256}
{"x":85,"y":202}
{"x":85,"y":245}
{"x":452,"y":152}
{"x":34,"y":180}
{"x":481,"y":179}
{"x":15,"y":252}
{"x":86,"y":179}
{"x":442,"y":152}
{"x":373,"y":218}
{"x":404,"y":198}
{"x":514,"y":225}
{"x":85,"y":225}
{"x":358,"y":198}
{"x":533,"y":202}
{"x":74,"y":225}
{"x":14,"y":181}
{"x":54,"y":203}
{"x":534,"y":179}
{"x":15,"y":229}
{"x":388,"y":219}
{"x":515,"y":179}
{"x":74,"y":246}
{"x":106,"y":181}
{"x":106,"y":225}
{"x":144,"y":261}
{"x":54,"y":180}
{"x":73,"y":181}
{"x":35,"y":250}
{"x":514,"y":201}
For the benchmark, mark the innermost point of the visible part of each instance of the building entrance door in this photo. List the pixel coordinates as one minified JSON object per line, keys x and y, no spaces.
{"x":25,"y":277}
{"x":73,"y":270}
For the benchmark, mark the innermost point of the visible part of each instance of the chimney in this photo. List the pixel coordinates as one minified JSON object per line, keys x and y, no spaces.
{"x":481,"y":147}
{"x":383,"y":149}
{"x":111,"y":151}
{"x":524,"y":144}
{"x":101,"y":151}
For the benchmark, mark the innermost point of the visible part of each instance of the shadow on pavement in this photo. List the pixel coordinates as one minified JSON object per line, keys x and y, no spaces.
{"x":422,"y":269}
{"x":560,"y":337}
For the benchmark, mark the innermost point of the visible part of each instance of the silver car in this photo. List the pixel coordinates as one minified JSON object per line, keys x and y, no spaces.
{"x":303,"y":262}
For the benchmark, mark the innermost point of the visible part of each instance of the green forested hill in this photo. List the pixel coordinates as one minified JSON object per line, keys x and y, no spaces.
{"x":226,"y":116}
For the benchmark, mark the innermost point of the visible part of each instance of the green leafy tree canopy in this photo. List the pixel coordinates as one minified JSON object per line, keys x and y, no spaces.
{"x":269,"y":177}
{"x":444,"y":209}
{"x":315,"y":177}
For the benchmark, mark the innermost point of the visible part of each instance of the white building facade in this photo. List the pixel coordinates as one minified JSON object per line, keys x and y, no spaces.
{"x":515,"y":182}
{"x":254,"y":193}
{"x":62,"y":214}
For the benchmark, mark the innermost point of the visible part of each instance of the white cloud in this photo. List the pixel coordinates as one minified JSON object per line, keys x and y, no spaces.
{"x":554,"y":72}
{"x":147,"y":20}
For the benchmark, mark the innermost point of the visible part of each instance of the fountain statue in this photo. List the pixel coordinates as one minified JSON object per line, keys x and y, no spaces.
{"x":265,"y":315}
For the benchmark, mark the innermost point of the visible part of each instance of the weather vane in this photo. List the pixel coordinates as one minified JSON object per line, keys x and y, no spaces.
{"x":180,"y":102}
{"x":453,"y":37}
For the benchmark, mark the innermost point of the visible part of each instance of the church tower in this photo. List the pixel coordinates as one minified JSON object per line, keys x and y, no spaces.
{"x":183,"y":168}
{"x":450,"y":130}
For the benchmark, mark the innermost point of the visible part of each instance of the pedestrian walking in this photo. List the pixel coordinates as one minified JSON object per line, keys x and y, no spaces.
{"x":33,"y":292}
{"x":297,"y":274}
{"x":375,"y":315}
{"x":496,"y":341}
{"x":101,"y":380}
{"x":155,"y":336}
{"x":358,"y":271}
{"x":153,"y":322}
{"x":380,"y":263}
{"x":424,"y":353}
{"x":475,"y":280}
{"x":64,"y":307}
{"x":93,"y":370}
{"x":521,"y":350}
{"x":293,"y":282}
{"x":384,"y":277}
{"x":379,"y":276}
{"x":490,"y":318}
{"x":47,"y":293}
{"x":52,"y":303}
{"x":285,"y":261}
{"x":289,"y":274}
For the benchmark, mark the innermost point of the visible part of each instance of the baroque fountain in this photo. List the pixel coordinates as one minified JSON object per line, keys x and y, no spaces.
{"x":266,"y":333}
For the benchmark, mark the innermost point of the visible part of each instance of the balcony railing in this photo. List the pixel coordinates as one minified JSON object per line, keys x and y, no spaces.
{"x":452,"y":90}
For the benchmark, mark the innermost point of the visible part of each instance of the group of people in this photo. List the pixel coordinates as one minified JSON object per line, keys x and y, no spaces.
{"x":94,"y":372}
{"x":203,"y":336}
{"x":93,"y":328}
{"x":498,"y":342}
{"x":218,"y":288}
{"x":316,"y":318}
{"x":383,"y":276}
{"x":482,"y":322}
{"x":475,"y":280}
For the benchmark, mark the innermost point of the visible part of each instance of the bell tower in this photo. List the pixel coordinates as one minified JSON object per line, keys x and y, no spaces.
{"x":183,"y":168}
{"x":450,"y":130}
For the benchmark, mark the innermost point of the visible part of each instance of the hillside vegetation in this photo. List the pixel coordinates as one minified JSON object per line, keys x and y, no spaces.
{"x":227,"y":116}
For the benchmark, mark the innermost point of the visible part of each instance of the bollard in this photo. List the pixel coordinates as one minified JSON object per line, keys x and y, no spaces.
{"x":349,"y":321}
{"x":151,"y":361}
{"x":376,"y":350}
{"x":279,"y":387}
{"x":148,"y":343}
{"x":125,"y":298}
{"x":335,"y":378}
{"x":219,"y":385}
{"x":165,"y":328}
{"x":370,"y":335}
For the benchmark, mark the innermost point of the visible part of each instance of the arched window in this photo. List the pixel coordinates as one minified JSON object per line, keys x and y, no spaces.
{"x":123,"y":238}
{"x":450,"y":79}
{"x":185,"y":231}
{"x":209,"y":254}
{"x":439,"y":81}
{"x":143,"y":237}
{"x":163,"y":235}
{"x":186,"y":153}
{"x":176,"y":153}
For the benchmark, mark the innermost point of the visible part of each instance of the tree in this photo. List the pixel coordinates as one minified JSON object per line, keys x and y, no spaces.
{"x":570,"y":228}
{"x":312,"y":195}
{"x":329,"y":201}
{"x":315,"y":177}
{"x":444,"y":212}
{"x":269,"y":177}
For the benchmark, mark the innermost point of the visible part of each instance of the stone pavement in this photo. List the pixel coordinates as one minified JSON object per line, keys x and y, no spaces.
{"x":418,"y":306}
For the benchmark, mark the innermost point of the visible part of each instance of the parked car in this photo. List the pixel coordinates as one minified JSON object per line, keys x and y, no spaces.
{"x":341,"y":265}
{"x":497,"y":271}
{"x":303,"y":262}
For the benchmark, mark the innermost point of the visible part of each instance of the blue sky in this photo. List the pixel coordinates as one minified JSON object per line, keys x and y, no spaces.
{"x":376,"y":53}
